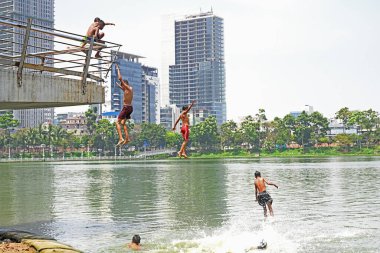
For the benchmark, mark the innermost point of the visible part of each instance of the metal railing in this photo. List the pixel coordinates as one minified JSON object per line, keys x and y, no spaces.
{"x":26,"y":45}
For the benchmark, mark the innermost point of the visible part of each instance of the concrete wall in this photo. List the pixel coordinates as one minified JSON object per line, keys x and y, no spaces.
{"x":39,"y":91}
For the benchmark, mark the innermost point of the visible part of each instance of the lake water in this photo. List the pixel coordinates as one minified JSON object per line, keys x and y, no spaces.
{"x":322,"y":205}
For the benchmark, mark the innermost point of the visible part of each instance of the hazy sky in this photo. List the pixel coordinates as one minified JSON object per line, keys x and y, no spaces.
{"x":280,"y":54}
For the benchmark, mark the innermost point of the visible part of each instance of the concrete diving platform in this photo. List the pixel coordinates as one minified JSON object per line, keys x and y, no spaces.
{"x":60,"y":72}
{"x":40,"y":91}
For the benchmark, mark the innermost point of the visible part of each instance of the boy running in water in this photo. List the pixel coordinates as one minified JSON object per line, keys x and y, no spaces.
{"x":185,"y":131}
{"x":127,"y":110}
{"x":94,"y":30}
{"x":262,"y":196}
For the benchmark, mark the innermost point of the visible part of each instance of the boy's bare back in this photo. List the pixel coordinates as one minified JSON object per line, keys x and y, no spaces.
{"x":260,"y":184}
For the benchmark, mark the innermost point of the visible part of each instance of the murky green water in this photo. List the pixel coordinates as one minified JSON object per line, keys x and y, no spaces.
{"x":322,"y":205}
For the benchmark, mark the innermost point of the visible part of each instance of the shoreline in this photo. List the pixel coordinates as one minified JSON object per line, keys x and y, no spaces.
{"x":13,"y":241}
{"x":171,"y":158}
{"x":216,"y":156}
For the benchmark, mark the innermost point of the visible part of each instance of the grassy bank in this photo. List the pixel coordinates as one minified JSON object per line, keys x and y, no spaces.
{"x":310,"y":152}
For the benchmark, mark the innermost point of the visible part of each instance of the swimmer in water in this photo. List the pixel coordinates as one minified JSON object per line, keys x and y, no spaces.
{"x":135,"y":244}
{"x":262,"y":245}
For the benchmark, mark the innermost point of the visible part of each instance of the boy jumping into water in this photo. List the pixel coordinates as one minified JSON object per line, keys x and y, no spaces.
{"x":127,"y":108}
{"x":262,"y":196}
{"x":94,"y":30}
{"x":185,"y":131}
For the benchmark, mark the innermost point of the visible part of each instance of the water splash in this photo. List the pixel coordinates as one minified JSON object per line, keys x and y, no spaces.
{"x":232,"y":239}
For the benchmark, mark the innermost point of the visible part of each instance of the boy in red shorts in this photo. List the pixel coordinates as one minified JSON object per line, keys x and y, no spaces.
{"x":127,"y":110}
{"x":185,"y":131}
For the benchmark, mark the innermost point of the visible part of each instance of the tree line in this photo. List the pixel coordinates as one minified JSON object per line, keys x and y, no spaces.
{"x":255,"y":134}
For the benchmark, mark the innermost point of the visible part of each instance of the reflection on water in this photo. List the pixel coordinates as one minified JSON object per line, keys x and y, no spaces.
{"x":322,"y":205}
{"x":25,"y":195}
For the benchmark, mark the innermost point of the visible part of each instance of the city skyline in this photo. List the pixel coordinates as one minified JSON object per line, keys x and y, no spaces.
{"x":289,"y":53}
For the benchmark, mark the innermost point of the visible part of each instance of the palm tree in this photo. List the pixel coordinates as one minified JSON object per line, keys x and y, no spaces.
{"x":58,"y":133}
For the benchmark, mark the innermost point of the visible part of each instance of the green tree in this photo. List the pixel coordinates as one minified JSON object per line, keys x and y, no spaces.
{"x":33,"y":137}
{"x":262,"y":127}
{"x":6,"y":123}
{"x":228,"y":134}
{"x":77,"y":142}
{"x":370,"y":125}
{"x":283,"y":129}
{"x":345,"y":141}
{"x":91,"y":117}
{"x":205,"y":134}
{"x":50,"y":134}
{"x":302,"y":131}
{"x":58,"y":134}
{"x":289,"y":122}
{"x":43,"y":133}
{"x":68,"y":141}
{"x":366,"y":122}
{"x":269,"y":137}
{"x":249,"y":131}
{"x":105,"y":135}
{"x":153,"y":134}
{"x":20,"y":138}
{"x":344,"y":115}
{"x":172,"y":139}
{"x":319,"y":126}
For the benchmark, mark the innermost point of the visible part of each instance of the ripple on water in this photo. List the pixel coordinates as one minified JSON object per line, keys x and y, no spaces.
{"x":322,"y":205}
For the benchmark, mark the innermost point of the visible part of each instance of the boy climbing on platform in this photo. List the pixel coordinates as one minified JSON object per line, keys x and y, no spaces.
{"x":127,"y":110}
{"x":94,"y":31}
{"x":262,"y":196}
{"x":185,"y":129}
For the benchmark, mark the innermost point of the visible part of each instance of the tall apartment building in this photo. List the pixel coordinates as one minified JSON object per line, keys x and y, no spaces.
{"x":11,"y":41}
{"x":145,"y":83}
{"x":199,"y":71}
{"x":151,"y":95}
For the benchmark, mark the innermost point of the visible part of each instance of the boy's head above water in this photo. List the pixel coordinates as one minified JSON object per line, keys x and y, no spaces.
{"x":136,"y":239}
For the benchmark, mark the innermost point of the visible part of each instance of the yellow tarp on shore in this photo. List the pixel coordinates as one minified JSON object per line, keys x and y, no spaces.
{"x":49,"y":246}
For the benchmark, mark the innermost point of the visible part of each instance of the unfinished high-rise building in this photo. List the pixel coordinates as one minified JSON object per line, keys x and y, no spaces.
{"x":199,"y":71}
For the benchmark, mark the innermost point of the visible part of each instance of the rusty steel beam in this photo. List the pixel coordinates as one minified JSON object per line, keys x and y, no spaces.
{"x":23,"y":52}
{"x":87,"y":65}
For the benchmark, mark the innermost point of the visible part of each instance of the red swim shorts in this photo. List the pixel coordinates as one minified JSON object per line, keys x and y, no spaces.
{"x":185,"y":132}
{"x":125,"y":112}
